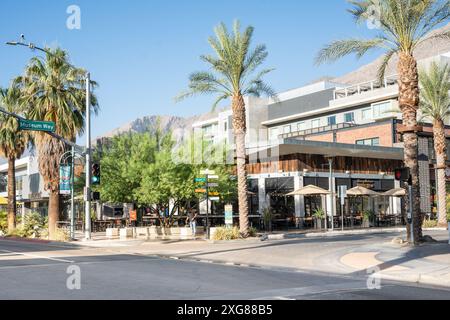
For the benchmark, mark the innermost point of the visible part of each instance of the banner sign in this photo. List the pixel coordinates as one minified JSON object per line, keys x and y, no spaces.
{"x":229,"y":215}
{"x":65,"y":180}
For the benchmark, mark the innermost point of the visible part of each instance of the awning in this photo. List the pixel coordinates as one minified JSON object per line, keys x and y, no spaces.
{"x":361,"y":191}
{"x":309,"y":191}
{"x":3,"y":201}
{"x":399,"y":192}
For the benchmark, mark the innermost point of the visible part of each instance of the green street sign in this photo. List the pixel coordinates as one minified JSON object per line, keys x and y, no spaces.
{"x":200,"y":180}
{"x":30,"y":125}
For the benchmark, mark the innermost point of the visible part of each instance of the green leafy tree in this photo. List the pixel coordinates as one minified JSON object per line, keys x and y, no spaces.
{"x":403,"y":26}
{"x":435,"y":105}
{"x":234,"y":76}
{"x":55,"y":91}
{"x":13,"y":143}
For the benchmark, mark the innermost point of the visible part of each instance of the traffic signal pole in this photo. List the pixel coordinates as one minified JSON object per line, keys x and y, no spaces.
{"x":87,"y":213}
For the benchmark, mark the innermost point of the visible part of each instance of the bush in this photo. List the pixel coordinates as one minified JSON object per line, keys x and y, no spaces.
{"x":61,"y":235}
{"x":33,"y":226}
{"x":226,"y":234}
{"x":319,"y":214}
{"x":253,"y":232}
{"x":3,"y":222}
{"x":428,"y":224}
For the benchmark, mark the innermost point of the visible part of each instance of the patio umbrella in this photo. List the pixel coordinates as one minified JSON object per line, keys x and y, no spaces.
{"x":399,"y":192}
{"x":361,"y":191}
{"x":309,"y":191}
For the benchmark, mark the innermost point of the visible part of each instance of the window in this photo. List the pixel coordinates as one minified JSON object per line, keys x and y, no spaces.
{"x":286,"y":129}
{"x":374,"y":142}
{"x":301,"y":126}
{"x":349,"y":117}
{"x":273,"y":134}
{"x":367,"y":114}
{"x":19,"y":184}
{"x":225,"y":126}
{"x":331,"y":120}
{"x":382,"y":109}
{"x":316,"y":123}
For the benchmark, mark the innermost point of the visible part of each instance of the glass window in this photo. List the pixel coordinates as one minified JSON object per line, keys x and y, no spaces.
{"x":287,"y":129}
{"x":382,"y":109}
{"x":331,"y":120}
{"x":273,"y":133}
{"x":316,"y":123}
{"x":369,"y":142}
{"x":301,"y":126}
{"x":349,"y":117}
{"x":225,"y":126}
{"x":367,"y":114}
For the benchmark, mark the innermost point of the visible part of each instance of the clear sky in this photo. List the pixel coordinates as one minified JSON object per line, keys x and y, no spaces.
{"x":142,"y":51}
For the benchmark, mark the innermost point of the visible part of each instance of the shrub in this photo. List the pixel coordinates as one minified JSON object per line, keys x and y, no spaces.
{"x":33,"y":226}
{"x":61,"y":235}
{"x":3,"y":222}
{"x":226,"y":234}
{"x":368,"y":215}
{"x":253,"y":232}
{"x":427,"y":224}
{"x":319,"y":214}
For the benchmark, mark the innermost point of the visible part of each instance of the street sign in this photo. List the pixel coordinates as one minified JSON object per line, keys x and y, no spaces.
{"x":200,"y":180}
{"x":342,"y":194}
{"x":214,"y":194}
{"x":213,"y":177}
{"x":207,"y":172}
{"x":229,"y":215}
{"x":214,"y":199}
{"x":200,"y":190}
{"x":213,"y":185}
{"x":133,"y":215}
{"x":30,"y":125}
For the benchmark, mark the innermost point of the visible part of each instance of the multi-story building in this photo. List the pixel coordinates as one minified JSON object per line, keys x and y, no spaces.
{"x":292,"y":142}
{"x":29,"y":185}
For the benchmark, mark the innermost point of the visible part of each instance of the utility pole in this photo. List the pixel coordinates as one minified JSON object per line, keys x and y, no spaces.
{"x":87,"y":213}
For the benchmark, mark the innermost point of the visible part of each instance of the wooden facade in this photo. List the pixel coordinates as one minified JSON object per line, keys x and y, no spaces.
{"x":319,"y":163}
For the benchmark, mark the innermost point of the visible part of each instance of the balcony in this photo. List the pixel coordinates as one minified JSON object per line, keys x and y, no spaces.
{"x":365,"y":87}
{"x":330,"y":128}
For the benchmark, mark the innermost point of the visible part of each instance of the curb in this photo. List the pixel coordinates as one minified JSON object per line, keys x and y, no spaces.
{"x":40,"y":241}
{"x":419,"y":278}
{"x":332,"y":234}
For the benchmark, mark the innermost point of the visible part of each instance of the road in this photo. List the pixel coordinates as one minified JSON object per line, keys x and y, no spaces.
{"x":39,"y":271}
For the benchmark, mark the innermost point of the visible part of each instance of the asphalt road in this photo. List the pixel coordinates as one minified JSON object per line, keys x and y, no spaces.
{"x":28,"y":271}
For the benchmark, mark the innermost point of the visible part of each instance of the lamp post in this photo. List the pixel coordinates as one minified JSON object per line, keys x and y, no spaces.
{"x":33,"y":47}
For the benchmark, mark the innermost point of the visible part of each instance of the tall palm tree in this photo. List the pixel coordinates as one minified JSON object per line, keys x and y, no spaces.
{"x":55,"y":91}
{"x":435,"y":105}
{"x":403,"y":26}
{"x":13,"y":143}
{"x":232,"y":76}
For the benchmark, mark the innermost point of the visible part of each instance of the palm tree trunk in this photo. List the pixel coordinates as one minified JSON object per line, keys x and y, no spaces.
{"x":12,"y":207}
{"x":240,"y":129}
{"x":409,"y":104}
{"x":440,"y":146}
{"x":53,"y":213}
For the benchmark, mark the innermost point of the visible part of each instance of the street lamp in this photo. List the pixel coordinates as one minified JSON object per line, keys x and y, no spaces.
{"x":88,"y":152}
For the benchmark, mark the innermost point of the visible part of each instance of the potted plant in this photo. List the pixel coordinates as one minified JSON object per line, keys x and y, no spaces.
{"x":368,"y":217}
{"x":267,"y":219}
{"x":319,"y":217}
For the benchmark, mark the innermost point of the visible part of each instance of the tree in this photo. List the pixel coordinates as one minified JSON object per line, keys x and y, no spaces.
{"x":13,"y":143}
{"x":55,"y":91}
{"x":232,"y":77}
{"x":435,"y":105}
{"x":403,"y":26}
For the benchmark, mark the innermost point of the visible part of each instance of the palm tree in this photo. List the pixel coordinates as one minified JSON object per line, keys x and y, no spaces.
{"x":13,"y":143}
{"x":54,"y":91}
{"x":403,"y":26}
{"x":435,"y":105}
{"x":232,"y":77}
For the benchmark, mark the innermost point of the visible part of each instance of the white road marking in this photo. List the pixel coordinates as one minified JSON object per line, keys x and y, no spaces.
{"x":36,"y":256}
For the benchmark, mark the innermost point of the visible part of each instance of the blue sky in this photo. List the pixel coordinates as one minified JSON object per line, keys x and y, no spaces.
{"x":142,"y":51}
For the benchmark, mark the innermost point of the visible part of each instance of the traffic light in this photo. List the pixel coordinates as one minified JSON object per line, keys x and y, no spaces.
{"x":96,"y":196}
{"x":403,"y":175}
{"x":95,"y":174}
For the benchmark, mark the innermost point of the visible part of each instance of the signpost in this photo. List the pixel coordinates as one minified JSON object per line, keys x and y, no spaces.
{"x":210,"y":196}
{"x":229,"y":216}
{"x":65,"y":173}
{"x":29,"y":125}
{"x":342,"y":196}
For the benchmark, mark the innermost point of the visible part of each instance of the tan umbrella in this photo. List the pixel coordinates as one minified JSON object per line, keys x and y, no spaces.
{"x":399,"y":192}
{"x":361,"y":191}
{"x":309,"y":191}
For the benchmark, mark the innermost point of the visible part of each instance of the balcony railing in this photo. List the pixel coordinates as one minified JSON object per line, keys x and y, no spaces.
{"x":324,"y":129}
{"x":365,"y":87}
